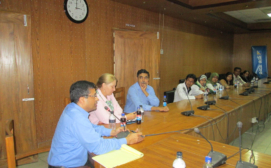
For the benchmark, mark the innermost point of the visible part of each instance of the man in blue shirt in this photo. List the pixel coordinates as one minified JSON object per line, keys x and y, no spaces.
{"x":141,"y":93}
{"x":75,"y":136}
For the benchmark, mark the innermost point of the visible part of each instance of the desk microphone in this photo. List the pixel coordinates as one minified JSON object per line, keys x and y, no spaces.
{"x":190,"y":112}
{"x":217,"y":157}
{"x":107,"y":109}
{"x":225,"y":97}
{"x":244,"y":93}
{"x":212,"y":102}
{"x":240,"y":163}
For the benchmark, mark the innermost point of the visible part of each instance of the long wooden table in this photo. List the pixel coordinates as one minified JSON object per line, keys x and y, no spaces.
{"x":160,"y":150}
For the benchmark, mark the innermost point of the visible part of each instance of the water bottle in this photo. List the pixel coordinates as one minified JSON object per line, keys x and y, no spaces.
{"x":257,"y":80}
{"x":112,"y":121}
{"x":215,"y":90}
{"x":208,"y":162}
{"x":123,"y":120}
{"x":142,"y":113}
{"x":165,"y":101}
{"x":138,"y":116}
{"x":238,"y":83}
{"x":179,"y":162}
{"x":205,"y":96}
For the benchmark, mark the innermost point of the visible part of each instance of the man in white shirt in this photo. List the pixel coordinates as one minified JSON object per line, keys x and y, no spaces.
{"x":236,"y":77}
{"x":188,"y":89}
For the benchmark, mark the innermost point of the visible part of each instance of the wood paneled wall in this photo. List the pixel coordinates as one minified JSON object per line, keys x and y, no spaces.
{"x":242,"y":49}
{"x":64,"y":52}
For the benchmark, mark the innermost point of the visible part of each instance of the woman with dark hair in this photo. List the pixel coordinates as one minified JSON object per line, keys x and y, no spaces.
{"x":246,"y":76}
{"x":212,"y":82}
{"x":226,"y":80}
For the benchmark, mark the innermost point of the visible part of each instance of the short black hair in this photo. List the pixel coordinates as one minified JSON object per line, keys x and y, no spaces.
{"x":80,"y":89}
{"x":191,"y":76}
{"x":142,"y":71}
{"x":236,"y":68}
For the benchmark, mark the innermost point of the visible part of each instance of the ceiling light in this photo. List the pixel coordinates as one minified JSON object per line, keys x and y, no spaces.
{"x":269,"y":14}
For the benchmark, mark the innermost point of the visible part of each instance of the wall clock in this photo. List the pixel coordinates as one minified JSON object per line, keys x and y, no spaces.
{"x":76,"y":10}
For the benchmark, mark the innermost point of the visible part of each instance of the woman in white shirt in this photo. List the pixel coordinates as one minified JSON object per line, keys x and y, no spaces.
{"x":212,"y":82}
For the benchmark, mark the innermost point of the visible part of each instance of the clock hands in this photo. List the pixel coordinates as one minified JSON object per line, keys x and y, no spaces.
{"x":76,"y":6}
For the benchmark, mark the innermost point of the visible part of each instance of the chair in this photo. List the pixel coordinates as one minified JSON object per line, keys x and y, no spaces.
{"x":221,"y":76}
{"x":120,"y":96}
{"x":10,"y":147}
{"x":181,"y":80}
{"x":170,"y":96}
{"x":67,"y":101}
{"x":208,"y":74}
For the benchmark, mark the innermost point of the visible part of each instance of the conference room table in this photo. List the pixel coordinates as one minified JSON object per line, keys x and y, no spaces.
{"x":169,"y":132}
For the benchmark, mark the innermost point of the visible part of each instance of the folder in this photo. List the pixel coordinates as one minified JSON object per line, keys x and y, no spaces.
{"x":118,"y":157}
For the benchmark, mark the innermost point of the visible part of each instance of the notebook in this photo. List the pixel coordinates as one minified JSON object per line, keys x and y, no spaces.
{"x":118,"y":157}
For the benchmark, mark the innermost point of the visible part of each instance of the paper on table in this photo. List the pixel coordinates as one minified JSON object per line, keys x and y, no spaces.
{"x":118,"y":157}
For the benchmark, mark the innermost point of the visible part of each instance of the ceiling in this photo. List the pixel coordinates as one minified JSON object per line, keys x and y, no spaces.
{"x":233,"y":16}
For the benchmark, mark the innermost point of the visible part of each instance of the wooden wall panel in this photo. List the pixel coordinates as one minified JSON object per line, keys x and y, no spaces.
{"x":64,"y":52}
{"x":242,"y":49}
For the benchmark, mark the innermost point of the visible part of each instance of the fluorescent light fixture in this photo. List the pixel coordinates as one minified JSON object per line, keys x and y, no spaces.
{"x":269,"y":14}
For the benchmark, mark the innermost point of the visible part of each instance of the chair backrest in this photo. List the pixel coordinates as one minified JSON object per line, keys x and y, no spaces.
{"x":10,"y":147}
{"x":120,"y":96}
{"x":208,"y":74}
{"x":67,"y":101}
{"x":9,"y":139}
{"x":170,"y":96}
{"x":181,"y":80}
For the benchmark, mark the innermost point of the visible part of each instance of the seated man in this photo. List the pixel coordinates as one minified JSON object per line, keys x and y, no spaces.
{"x":188,"y":89}
{"x":75,"y":136}
{"x":141,"y":93}
{"x":236,"y":77}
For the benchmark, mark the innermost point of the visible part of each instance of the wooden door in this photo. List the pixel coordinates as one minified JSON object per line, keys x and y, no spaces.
{"x":16,"y":82}
{"x":135,"y":50}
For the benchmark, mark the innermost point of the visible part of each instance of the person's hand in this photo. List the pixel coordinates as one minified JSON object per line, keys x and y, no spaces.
{"x":202,"y":89}
{"x":131,"y":116}
{"x":164,"y":109}
{"x":246,"y":84}
{"x":133,"y":138}
{"x":199,"y":96}
{"x":118,"y":130}
{"x":227,"y":87}
{"x":143,"y":87}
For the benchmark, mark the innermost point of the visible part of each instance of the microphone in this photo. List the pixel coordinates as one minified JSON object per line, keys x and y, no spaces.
{"x":225,"y":97}
{"x":240,"y":163}
{"x":205,"y":107}
{"x":190,"y":112}
{"x":107,"y":109}
{"x":244,"y":93}
{"x":217,"y":157}
{"x":212,"y":102}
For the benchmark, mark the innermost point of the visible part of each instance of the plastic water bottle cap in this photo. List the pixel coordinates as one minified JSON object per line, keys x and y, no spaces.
{"x":122,"y":114}
{"x":165,"y":96}
{"x":208,"y":159}
{"x":180,"y":154}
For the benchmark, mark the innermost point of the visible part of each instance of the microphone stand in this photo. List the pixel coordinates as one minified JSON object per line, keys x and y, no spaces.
{"x":217,"y":157}
{"x":240,"y":163}
{"x":190,"y":112}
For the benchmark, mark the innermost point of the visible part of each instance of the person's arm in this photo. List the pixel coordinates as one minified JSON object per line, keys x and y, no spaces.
{"x":196,"y":90}
{"x":210,"y":86}
{"x":224,"y":83}
{"x":241,"y":80}
{"x":89,"y":136}
{"x":154,"y":101}
{"x":183,"y":93}
{"x":132,"y":93}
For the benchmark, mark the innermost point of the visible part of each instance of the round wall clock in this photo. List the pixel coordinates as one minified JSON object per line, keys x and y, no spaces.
{"x":76,"y":10}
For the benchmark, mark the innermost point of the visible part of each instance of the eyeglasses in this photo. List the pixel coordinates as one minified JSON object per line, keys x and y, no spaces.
{"x":95,"y":95}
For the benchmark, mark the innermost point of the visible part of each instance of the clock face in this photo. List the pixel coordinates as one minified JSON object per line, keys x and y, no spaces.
{"x":76,"y":10}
